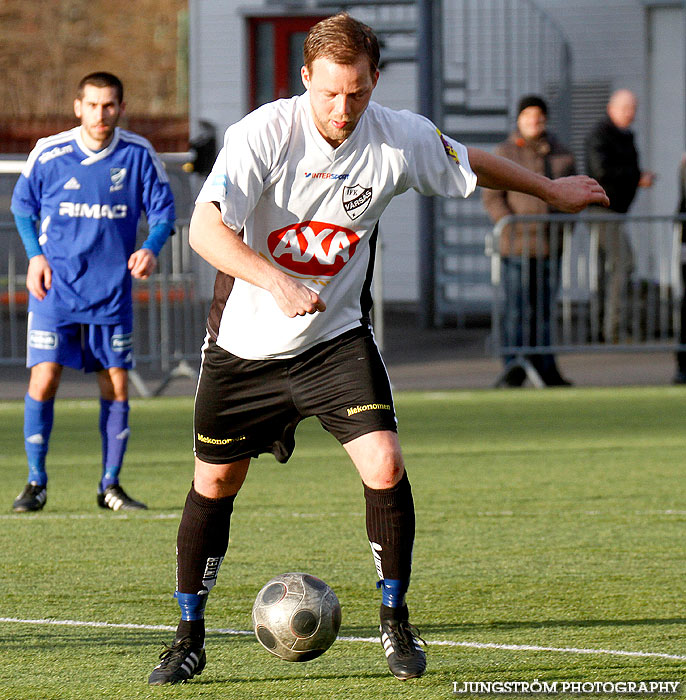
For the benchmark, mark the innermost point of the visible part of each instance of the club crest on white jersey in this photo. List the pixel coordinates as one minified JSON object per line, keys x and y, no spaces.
{"x":356,"y":200}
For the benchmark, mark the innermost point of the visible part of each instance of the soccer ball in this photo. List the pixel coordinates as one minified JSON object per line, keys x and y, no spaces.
{"x":296,"y":617}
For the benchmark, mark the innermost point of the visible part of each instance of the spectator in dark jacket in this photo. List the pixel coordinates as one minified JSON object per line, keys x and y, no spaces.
{"x":612,"y":158}
{"x":529,"y":252}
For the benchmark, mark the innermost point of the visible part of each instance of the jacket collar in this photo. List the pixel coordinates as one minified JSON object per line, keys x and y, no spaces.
{"x":540,"y":146}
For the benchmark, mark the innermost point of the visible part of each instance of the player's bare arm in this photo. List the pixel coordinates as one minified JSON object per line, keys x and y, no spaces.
{"x":568,"y":194}
{"x":223,"y":248}
{"x":142,"y":263}
{"x":39,"y":277}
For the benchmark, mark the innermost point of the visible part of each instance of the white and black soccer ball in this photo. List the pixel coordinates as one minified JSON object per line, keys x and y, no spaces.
{"x":296,"y":617}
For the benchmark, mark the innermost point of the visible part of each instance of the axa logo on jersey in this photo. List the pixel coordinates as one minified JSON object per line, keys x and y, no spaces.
{"x":313,"y":248}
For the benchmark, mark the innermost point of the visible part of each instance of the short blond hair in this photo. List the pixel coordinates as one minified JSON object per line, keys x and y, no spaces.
{"x":342,"y":39}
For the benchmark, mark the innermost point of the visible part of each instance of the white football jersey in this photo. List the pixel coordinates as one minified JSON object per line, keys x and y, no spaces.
{"x":311,"y":210}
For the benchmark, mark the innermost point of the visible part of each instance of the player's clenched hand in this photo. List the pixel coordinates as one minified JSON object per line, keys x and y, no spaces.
{"x":294,"y":298}
{"x":574,"y":193}
{"x":142,"y":263}
{"x":39,"y":277}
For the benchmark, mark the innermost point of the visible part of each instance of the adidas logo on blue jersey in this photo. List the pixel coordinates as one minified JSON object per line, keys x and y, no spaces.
{"x":73,"y":184}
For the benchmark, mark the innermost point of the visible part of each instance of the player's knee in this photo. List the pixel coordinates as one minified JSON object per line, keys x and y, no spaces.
{"x":114,"y":384}
{"x":378,"y":459}
{"x":393,"y":475}
{"x":386,"y":473}
{"x":44,"y":381}
{"x":219,"y":480}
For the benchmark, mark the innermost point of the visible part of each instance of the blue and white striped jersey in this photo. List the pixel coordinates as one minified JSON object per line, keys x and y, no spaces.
{"x":88,"y":204}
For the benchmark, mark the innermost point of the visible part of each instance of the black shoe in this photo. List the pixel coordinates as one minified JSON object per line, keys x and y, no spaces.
{"x":115,"y":498}
{"x":33,"y":497}
{"x":179,"y":663}
{"x":516,"y":376}
{"x":405,"y":657}
{"x":548,"y":372}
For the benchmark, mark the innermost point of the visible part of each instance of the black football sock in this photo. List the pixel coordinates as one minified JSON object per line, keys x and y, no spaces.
{"x":195,"y":629}
{"x":201,"y":544}
{"x":390,"y":528}
{"x":398,"y":614}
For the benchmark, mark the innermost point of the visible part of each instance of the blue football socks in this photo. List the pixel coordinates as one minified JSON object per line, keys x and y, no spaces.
{"x":38,"y":418}
{"x":114,"y":431}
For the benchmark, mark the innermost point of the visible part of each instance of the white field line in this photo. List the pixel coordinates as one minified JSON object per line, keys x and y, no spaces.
{"x":372,"y":640}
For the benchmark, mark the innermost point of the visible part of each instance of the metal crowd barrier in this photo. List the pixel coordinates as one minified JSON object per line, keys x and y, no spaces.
{"x":170,"y":309}
{"x":554,"y":291}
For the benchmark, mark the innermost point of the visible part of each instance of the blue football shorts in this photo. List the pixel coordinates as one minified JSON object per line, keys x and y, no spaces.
{"x":87,"y":346}
{"x":247,"y":407}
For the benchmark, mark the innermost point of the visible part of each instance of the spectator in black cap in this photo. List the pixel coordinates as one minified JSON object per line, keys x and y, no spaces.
{"x":529,"y":252}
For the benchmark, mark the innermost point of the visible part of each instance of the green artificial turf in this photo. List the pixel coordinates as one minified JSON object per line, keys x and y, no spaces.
{"x":549,"y":533}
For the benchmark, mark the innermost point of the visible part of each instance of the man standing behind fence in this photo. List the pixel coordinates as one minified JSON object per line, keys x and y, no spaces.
{"x":612,"y":159}
{"x":529,"y":255}
{"x":86,"y":188}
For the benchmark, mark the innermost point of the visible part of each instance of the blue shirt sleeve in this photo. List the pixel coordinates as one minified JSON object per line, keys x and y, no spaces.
{"x":158,"y":236}
{"x":158,"y":200}
{"x":26,"y":225}
{"x":26,"y":195}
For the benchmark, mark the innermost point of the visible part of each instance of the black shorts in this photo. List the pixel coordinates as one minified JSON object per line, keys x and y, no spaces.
{"x":247,"y":407}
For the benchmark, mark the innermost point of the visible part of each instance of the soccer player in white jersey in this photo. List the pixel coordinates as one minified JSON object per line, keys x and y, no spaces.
{"x":288,"y":217}
{"x":76,"y":206}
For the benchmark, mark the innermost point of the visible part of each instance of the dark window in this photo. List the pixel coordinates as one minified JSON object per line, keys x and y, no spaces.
{"x":276,"y":56}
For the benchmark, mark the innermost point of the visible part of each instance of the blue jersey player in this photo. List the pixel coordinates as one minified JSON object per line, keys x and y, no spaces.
{"x":76,"y":206}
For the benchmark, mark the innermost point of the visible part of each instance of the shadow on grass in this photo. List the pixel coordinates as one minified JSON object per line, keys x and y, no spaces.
{"x":289,"y":678}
